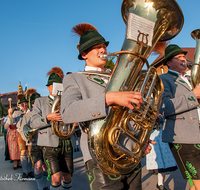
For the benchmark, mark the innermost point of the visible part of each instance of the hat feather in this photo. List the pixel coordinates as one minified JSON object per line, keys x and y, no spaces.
{"x":83,"y":27}
{"x":19,"y":96}
{"x":160,"y":48}
{"x":30,"y":91}
{"x":56,"y":70}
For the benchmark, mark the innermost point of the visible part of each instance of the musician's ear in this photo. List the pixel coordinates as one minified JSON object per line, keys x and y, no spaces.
{"x":84,"y":55}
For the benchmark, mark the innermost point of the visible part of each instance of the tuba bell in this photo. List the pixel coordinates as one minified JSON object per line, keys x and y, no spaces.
{"x":63,"y":131}
{"x":166,"y":20}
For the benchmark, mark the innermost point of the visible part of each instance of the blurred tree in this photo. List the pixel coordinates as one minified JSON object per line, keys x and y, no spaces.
{"x":109,"y":63}
{"x":3,"y":110}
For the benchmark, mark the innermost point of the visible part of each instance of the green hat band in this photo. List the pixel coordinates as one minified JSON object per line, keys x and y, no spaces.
{"x":90,"y":41}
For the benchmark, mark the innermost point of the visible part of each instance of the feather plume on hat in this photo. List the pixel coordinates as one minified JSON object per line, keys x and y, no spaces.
{"x":160,"y":48}
{"x":79,"y":29}
{"x":19,"y":96}
{"x":30,"y":91}
{"x":56,"y":70}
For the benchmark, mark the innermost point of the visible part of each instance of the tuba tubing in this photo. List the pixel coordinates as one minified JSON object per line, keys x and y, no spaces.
{"x":60,"y":129}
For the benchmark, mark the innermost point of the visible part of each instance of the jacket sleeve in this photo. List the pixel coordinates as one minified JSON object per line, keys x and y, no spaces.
{"x":75,"y":107}
{"x":172,"y":105}
{"x":38,"y":119}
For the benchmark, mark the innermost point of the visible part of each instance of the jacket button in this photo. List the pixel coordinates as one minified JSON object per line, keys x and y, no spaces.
{"x":98,"y":113}
{"x":194,"y":103}
{"x":191,"y":104}
{"x":93,"y":114}
{"x":191,"y":118}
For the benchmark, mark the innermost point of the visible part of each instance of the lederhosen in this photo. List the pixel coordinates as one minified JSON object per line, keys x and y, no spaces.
{"x":188,"y":159}
{"x":59,"y":158}
{"x":99,"y":180}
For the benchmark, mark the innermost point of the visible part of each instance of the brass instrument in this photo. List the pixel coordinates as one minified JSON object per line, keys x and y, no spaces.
{"x":104,"y":134}
{"x":29,"y":133}
{"x":63,"y":131}
{"x":195,"y":73}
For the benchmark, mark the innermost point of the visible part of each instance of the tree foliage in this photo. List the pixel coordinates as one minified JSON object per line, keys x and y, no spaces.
{"x":109,"y":63}
{"x":3,"y":110}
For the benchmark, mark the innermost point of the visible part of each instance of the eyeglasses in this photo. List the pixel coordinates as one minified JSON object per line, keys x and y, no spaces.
{"x":180,"y":57}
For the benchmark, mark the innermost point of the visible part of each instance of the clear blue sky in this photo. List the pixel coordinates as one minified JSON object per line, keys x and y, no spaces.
{"x":35,"y":35}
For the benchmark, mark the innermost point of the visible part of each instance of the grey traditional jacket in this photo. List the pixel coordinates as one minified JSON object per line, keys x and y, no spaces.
{"x":83,"y":99}
{"x":179,"y":108}
{"x":15,"y":118}
{"x":41,"y":108}
{"x":26,"y":120}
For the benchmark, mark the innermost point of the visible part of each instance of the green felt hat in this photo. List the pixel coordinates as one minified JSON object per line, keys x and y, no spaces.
{"x":89,"y":39}
{"x":171,"y":51}
{"x":53,"y":78}
{"x":21,"y":100}
{"x":33,"y":97}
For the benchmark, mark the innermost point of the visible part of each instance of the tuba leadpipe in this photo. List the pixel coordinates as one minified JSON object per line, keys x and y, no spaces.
{"x":104,"y":134}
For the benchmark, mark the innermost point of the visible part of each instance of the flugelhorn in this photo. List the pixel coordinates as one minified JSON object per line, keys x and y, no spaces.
{"x":195,"y":73}
{"x":104,"y":134}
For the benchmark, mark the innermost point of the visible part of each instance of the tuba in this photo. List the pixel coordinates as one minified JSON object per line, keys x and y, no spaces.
{"x":195,"y":74}
{"x":63,"y":131}
{"x":104,"y":135}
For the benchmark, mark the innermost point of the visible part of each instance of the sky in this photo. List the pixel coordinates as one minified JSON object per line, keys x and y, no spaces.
{"x":35,"y":35}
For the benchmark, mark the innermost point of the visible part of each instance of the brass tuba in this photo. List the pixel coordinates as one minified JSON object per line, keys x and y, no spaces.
{"x":63,"y":131}
{"x":104,"y":134}
{"x":195,"y":74}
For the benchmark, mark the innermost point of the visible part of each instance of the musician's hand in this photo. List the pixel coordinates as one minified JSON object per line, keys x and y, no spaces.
{"x":147,"y":147}
{"x":75,"y":124}
{"x":55,"y":116}
{"x":125,"y":98}
{"x":10,"y":110}
{"x":197,"y":91}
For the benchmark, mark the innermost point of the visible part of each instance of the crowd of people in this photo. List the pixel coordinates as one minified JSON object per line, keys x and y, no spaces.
{"x":84,"y":99}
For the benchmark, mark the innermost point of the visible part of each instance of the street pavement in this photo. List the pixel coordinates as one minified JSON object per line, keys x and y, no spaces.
{"x":10,"y":179}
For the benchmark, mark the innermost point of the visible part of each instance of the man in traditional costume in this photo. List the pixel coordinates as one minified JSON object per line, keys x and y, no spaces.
{"x":84,"y":100}
{"x":57,"y":153}
{"x":181,"y":118}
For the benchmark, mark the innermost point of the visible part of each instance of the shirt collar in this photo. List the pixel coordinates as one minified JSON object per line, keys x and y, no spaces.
{"x":89,"y":68}
{"x":51,"y":97}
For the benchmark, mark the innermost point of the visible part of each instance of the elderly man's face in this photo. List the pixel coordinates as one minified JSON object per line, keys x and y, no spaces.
{"x":176,"y":63}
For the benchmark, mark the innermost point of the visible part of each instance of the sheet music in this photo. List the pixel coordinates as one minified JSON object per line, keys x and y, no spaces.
{"x":137,"y":23}
{"x":57,"y":87}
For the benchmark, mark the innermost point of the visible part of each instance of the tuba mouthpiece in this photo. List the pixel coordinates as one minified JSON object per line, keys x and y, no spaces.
{"x":103,"y":56}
